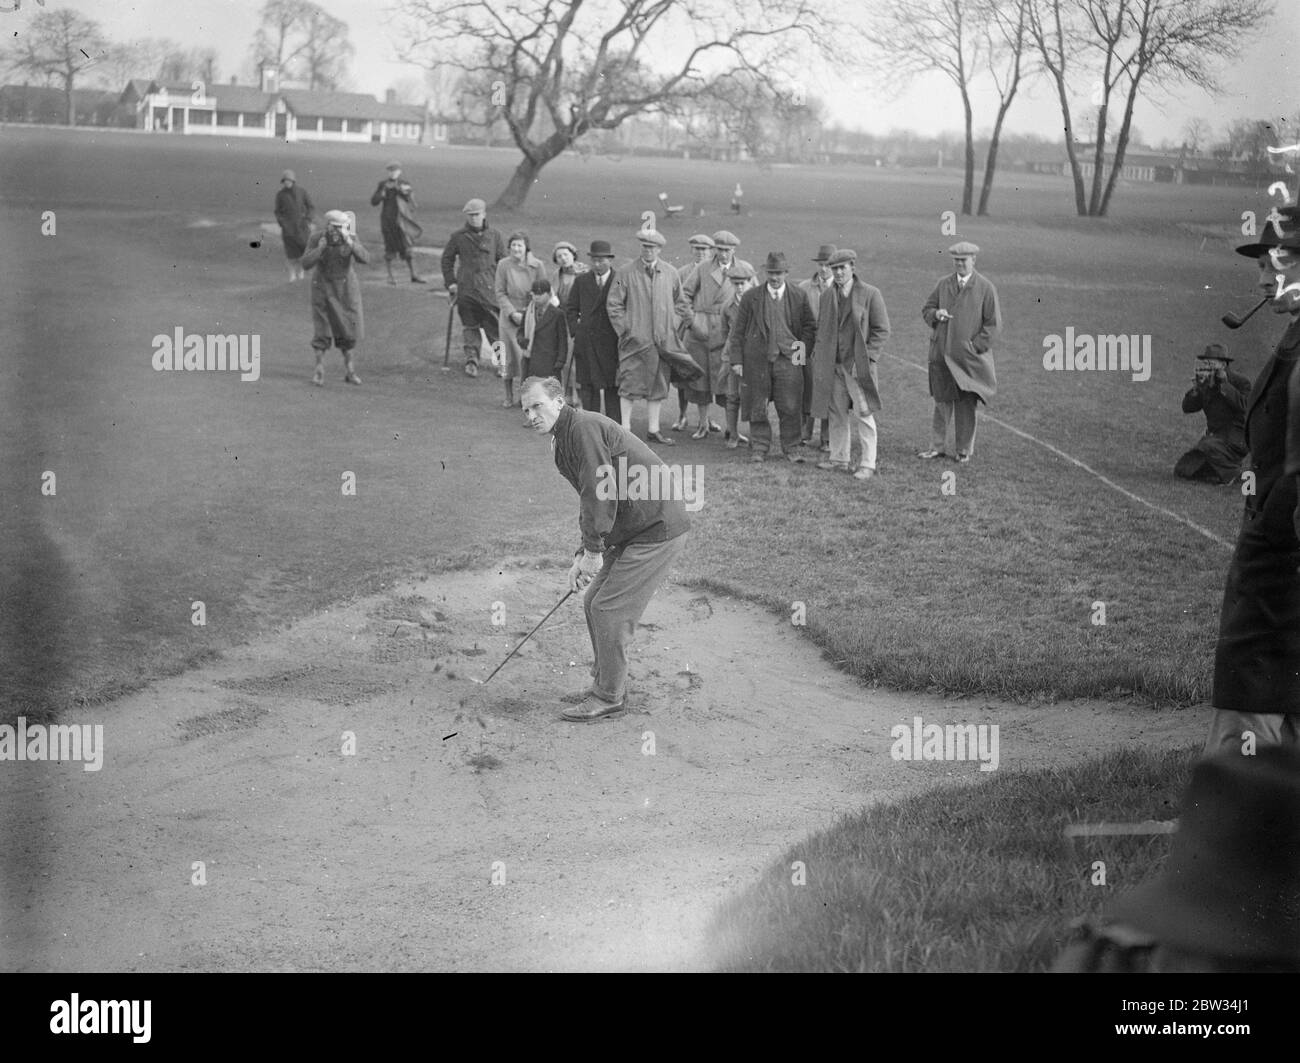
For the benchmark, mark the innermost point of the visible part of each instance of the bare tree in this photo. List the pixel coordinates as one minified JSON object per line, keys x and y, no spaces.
{"x":1008,"y":40}
{"x":915,"y":37}
{"x":326,"y":50}
{"x":1196,"y":132}
{"x":559,"y":69}
{"x":1133,"y":44}
{"x":58,"y":46}
{"x":304,"y":41}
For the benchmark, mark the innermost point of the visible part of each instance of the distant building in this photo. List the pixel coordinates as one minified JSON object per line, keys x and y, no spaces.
{"x":268,"y":110}
{"x":1143,"y":164}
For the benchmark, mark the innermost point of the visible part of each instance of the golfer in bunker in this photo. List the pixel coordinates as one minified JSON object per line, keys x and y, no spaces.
{"x":628,"y":543}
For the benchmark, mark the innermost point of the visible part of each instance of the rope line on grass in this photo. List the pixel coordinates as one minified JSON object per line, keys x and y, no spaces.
{"x":1085,"y":467}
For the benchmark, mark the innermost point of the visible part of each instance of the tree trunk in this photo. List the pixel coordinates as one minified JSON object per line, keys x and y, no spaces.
{"x":991,"y":159}
{"x":72,"y":107}
{"x":968,"y":185}
{"x":1121,"y":146}
{"x":1080,"y":204}
{"x":1099,"y":158}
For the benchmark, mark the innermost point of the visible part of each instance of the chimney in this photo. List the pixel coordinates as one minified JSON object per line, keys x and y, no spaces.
{"x":269,"y":75}
{"x":390,"y":96}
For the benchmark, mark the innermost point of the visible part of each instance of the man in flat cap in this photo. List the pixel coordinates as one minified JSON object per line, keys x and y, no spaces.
{"x":815,"y":287}
{"x":702,"y":248}
{"x":852,"y":328}
{"x":469,"y":271}
{"x":773,"y":332}
{"x":1221,"y":395}
{"x":964,"y":317}
{"x":647,"y":308}
{"x":294,"y":210}
{"x":1256,"y":692}
{"x":595,"y":343}
{"x":742,"y":279}
{"x":397,"y":221}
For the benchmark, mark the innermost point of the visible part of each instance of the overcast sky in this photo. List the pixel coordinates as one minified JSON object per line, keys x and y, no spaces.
{"x":1261,"y":83}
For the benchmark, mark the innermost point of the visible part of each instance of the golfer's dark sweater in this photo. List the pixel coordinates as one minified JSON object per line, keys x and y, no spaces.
{"x":588,"y":447}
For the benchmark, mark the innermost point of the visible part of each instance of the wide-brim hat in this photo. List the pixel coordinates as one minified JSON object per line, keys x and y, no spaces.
{"x":776,"y":262}
{"x":1231,"y":885}
{"x":702,"y":240}
{"x":1269,"y":238}
{"x":841,"y":256}
{"x":1216,"y":352}
{"x":474,"y":206}
{"x":964,"y":247}
{"x":723,"y":238}
{"x":650,"y":236}
{"x":600,"y":249}
{"x":824,"y":253}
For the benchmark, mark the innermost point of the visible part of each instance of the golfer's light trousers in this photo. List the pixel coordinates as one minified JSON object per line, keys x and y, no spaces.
{"x":845,"y":387}
{"x":615,"y":601}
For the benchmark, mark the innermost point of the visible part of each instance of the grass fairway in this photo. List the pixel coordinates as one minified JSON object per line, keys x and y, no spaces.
{"x":960,"y":878}
{"x":176,"y":488}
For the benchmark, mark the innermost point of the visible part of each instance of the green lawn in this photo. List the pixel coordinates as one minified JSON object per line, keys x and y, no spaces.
{"x":180,"y":487}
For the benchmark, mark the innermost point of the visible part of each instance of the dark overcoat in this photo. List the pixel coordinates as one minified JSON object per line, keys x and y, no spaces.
{"x":748,"y":344}
{"x":294,"y":210}
{"x":595,"y":343}
{"x":961,"y":348}
{"x":1257,"y":657}
{"x":872,"y":327}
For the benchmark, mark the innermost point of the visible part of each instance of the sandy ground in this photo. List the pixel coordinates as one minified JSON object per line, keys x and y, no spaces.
{"x":610,"y":842}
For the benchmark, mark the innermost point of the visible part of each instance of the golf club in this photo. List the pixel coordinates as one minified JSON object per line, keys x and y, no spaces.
{"x":451,"y":312}
{"x":567,"y":595}
{"x":1233,"y":321}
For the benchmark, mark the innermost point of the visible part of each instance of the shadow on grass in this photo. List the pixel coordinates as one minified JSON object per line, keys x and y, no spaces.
{"x":960,"y":878}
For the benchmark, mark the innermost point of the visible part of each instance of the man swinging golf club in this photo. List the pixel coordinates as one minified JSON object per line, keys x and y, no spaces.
{"x":628,"y":544}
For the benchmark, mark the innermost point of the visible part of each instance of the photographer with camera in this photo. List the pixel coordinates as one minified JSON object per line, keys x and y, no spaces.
{"x":336,"y":291}
{"x":1221,"y":395}
{"x":397,"y":220}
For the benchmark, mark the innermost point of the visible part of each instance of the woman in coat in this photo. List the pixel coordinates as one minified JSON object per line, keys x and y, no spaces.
{"x":294,"y":210}
{"x":514,"y":291}
{"x":336,"y":292}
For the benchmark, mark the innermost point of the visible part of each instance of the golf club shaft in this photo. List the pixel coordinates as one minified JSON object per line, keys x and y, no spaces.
{"x":567,"y":595}
{"x":451,"y":311}
{"x":1233,"y":321}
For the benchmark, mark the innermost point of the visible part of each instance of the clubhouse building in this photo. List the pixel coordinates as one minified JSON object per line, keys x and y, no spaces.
{"x":267,"y":110}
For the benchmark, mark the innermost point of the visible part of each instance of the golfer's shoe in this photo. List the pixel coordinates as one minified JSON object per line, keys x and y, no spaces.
{"x":471,"y":369}
{"x":351,"y":378}
{"x":680,"y":425}
{"x":833,"y":466}
{"x":962,"y":459}
{"x":417,"y":279}
{"x":795,"y":457}
{"x":318,"y":377}
{"x":714,"y":426}
{"x":577,"y":697}
{"x":864,"y":473}
{"x":927,"y":455}
{"x":592,"y":708}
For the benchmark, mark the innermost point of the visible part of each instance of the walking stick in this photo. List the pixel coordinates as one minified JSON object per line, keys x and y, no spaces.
{"x":446,"y":354}
{"x":567,"y":596}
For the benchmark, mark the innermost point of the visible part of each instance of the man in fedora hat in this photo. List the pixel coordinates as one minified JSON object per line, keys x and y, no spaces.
{"x":397,"y":221}
{"x":852,"y":328}
{"x":595,"y":343}
{"x":336,"y":292}
{"x":294,"y":210}
{"x":1227,"y":899}
{"x":1256,"y":692}
{"x":647,"y":308}
{"x":773,"y":331}
{"x":469,"y":271}
{"x":1221,"y":395}
{"x":628,"y":544}
{"x":815,"y":287}
{"x":964,"y":317}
